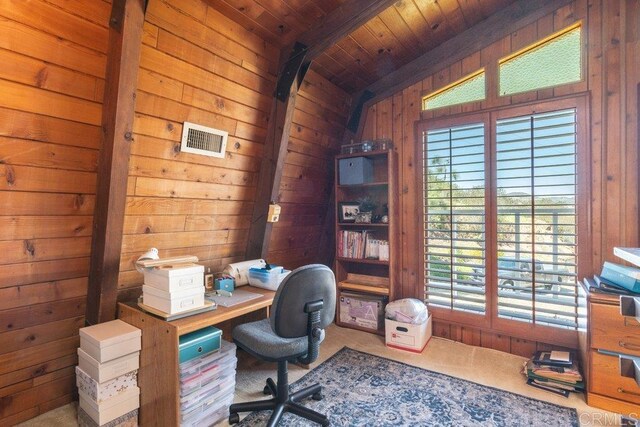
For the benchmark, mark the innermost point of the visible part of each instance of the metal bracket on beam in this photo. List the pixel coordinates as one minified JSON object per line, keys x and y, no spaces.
{"x":354,"y":120}
{"x":292,"y":68}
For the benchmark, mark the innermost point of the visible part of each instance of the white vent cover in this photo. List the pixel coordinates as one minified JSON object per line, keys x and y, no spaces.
{"x":199,"y":139}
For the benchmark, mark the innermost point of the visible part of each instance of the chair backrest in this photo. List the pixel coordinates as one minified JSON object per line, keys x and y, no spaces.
{"x":305,"y":284}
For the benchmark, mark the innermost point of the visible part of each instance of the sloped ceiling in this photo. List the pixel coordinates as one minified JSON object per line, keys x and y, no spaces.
{"x":395,"y":37}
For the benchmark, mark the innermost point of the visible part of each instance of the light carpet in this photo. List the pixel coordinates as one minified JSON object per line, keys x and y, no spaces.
{"x":363,"y":390}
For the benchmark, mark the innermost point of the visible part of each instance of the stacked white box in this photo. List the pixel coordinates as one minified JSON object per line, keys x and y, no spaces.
{"x":207,"y":385}
{"x":106,"y":375}
{"x":174,"y":288}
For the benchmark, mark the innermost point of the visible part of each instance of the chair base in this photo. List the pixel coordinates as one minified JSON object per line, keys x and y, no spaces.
{"x":282,"y":401}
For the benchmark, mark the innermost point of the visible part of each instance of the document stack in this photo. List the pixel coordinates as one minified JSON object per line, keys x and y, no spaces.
{"x":174,"y":287}
{"x":207,"y":385}
{"x":554,"y":371}
{"x":615,"y":278}
{"x":107,"y":375}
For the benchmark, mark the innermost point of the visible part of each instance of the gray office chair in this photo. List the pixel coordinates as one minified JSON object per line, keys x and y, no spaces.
{"x":303,"y":306}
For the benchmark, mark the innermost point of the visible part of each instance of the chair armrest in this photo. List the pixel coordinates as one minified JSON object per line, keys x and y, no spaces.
{"x":314,"y":333}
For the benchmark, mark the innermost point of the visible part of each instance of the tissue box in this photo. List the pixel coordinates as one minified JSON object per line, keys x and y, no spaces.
{"x":406,"y":336}
{"x":223,"y":284}
{"x":110,"y":340}
{"x":267,"y":279}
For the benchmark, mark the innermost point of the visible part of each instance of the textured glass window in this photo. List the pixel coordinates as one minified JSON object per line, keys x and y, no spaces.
{"x":554,"y":62}
{"x":468,"y":89}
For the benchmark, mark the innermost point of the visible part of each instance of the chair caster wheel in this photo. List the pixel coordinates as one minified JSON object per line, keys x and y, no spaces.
{"x":317,"y":396}
{"x":234,"y":418}
{"x":326,"y":423}
{"x":266,"y":390}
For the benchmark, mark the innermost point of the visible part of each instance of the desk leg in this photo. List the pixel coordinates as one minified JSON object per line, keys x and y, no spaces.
{"x":158,"y":377}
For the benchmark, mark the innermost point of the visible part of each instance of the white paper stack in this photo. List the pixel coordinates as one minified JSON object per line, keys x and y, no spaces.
{"x":207,"y":385}
{"x":106,"y":375}
{"x":174,"y":288}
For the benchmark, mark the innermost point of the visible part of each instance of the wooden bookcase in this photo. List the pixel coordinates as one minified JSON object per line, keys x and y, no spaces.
{"x":360,"y":275}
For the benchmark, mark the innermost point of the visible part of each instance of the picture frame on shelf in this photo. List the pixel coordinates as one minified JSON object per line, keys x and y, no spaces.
{"x":348,"y":211}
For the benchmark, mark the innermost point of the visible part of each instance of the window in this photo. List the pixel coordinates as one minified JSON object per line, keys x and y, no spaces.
{"x":536,"y":218}
{"x":455,"y":216}
{"x":468,"y":89}
{"x":552,"y":62}
{"x":500,"y":216}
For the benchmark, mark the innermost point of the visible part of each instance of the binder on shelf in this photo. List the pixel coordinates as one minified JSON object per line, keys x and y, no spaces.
{"x":621,"y":275}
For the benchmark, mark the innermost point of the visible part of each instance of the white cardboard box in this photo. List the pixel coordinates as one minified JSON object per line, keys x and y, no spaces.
{"x":406,"y":336}
{"x":172,"y":278}
{"x":108,"y":389}
{"x":173,"y":302}
{"x":110,"y":340}
{"x":110,"y":409}
{"x":106,"y":371}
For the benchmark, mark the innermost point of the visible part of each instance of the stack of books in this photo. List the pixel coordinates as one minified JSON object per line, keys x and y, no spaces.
{"x":362,"y":245}
{"x":554,"y":371}
{"x":618,"y":279}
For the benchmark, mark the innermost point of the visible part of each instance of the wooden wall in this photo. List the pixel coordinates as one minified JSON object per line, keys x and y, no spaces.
{"x":196,"y":65}
{"x":51,"y":85}
{"x":316,"y":132}
{"x":612,"y":73}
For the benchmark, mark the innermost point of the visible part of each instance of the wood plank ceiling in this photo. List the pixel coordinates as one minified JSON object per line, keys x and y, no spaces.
{"x":396,"y":36}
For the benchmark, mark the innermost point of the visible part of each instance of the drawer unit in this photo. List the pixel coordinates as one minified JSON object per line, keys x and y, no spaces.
{"x":607,"y":380}
{"x":612,"y":331}
{"x":609,"y":342}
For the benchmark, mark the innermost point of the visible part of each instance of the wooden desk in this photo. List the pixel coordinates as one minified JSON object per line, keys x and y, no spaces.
{"x":158,"y":377}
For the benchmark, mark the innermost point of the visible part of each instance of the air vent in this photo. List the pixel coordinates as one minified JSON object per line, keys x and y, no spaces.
{"x":198,"y":139}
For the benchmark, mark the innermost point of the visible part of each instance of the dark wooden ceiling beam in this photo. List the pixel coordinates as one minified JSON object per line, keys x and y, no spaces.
{"x":294,"y":63}
{"x":123,"y":57}
{"x":341,"y":22}
{"x":499,"y":25}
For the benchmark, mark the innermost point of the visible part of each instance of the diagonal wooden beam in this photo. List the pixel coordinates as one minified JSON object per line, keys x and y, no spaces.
{"x":341,"y":22}
{"x":294,"y":63}
{"x":123,"y":57}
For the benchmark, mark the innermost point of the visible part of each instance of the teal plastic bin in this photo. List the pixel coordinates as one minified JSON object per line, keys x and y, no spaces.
{"x":199,"y":343}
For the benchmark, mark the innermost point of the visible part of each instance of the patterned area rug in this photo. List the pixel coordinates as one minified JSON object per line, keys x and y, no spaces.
{"x":361,"y":389}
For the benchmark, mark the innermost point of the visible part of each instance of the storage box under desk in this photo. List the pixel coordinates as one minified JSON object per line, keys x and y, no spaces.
{"x":159,"y":373}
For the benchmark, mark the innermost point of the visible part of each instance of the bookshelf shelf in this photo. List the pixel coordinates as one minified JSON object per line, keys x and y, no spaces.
{"x":378,"y":290}
{"x":360,"y":277}
{"x":362,"y":261}
{"x":370,"y":184}
{"x":361,"y":225}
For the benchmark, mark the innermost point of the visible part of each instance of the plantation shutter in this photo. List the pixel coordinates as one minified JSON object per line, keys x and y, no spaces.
{"x":536,"y":218}
{"x":454,"y":220}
